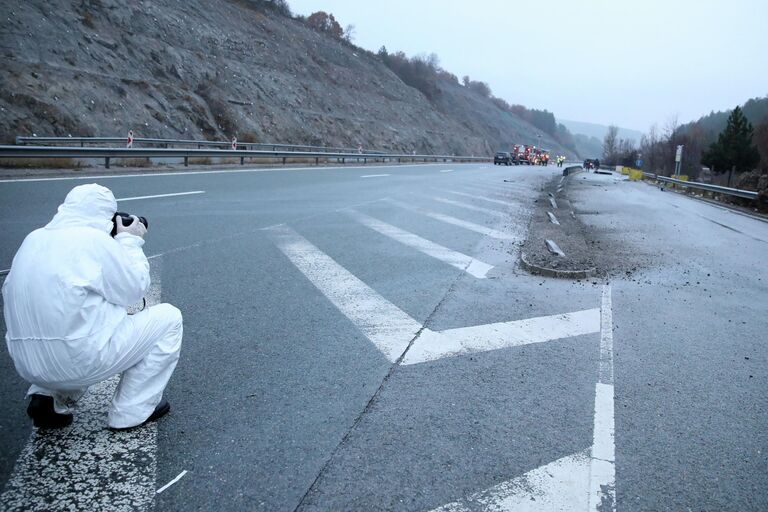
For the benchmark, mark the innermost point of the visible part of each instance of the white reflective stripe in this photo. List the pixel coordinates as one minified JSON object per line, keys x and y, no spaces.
{"x":602,"y":473}
{"x":474,"y":196}
{"x":467,"y":206}
{"x":461,"y":261}
{"x":471,"y":226}
{"x":387,"y":326}
{"x":161,"y":195}
{"x":555,"y":487}
{"x":431,"y":345}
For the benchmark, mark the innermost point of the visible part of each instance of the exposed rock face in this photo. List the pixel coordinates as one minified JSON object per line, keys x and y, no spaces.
{"x":213,"y":70}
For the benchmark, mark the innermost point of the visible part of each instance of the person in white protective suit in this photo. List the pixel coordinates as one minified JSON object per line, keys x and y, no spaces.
{"x":65,"y":301}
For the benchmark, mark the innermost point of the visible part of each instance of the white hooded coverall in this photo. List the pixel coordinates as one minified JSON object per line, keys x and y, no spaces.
{"x":65,"y":301}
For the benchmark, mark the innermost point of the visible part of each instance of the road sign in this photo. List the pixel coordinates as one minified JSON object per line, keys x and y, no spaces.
{"x":679,"y":154}
{"x":639,"y":163}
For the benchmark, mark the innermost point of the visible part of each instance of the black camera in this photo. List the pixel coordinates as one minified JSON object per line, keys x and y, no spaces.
{"x":126,"y":220}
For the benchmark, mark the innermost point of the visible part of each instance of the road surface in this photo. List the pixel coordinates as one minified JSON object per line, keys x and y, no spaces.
{"x":363,"y":338}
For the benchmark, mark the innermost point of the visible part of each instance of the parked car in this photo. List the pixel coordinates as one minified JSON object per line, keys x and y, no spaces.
{"x":503,"y":158}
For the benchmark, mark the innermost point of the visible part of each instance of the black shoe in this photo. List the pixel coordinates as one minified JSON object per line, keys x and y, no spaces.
{"x":161,"y":410}
{"x":43,"y":415}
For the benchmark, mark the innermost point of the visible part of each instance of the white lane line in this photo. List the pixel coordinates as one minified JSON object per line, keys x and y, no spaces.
{"x":467,"y":206}
{"x":77,"y":467}
{"x":213,"y":171}
{"x":471,"y":226}
{"x":375,"y":175}
{"x":388,"y":327}
{"x":447,"y":170}
{"x":474,"y":196}
{"x":461,"y":261}
{"x":178,"y":477}
{"x":602,"y":468}
{"x":162,"y":195}
{"x":557,"y":486}
{"x":432,"y":345}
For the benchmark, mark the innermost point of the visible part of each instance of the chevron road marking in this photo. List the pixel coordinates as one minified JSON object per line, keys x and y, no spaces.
{"x":474,"y":196}
{"x":557,"y":486}
{"x":584,"y":481}
{"x":391,"y":330}
{"x":461,"y":261}
{"x":467,"y":206}
{"x":471,"y":226}
{"x":85,"y":466}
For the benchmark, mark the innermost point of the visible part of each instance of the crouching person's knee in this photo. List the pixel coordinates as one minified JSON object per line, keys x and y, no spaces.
{"x":171,"y":317}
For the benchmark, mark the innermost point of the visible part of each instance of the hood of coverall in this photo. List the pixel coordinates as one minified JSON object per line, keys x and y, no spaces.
{"x":86,"y":206}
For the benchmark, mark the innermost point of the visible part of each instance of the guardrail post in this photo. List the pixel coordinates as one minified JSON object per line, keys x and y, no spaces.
{"x":186,"y":161}
{"x":283,"y":160}
{"x":365,"y":161}
{"x":106,"y":162}
{"x":317,"y":160}
{"x":242,"y":160}
{"x":343,"y":160}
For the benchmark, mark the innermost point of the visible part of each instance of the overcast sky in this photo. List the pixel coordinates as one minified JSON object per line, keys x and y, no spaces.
{"x":629,"y":62}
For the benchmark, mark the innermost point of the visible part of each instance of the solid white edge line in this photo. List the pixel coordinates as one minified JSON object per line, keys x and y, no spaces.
{"x":212,"y":171}
{"x":447,"y":170}
{"x":602,"y":467}
{"x":375,"y":175}
{"x":161,"y":195}
{"x":178,"y":477}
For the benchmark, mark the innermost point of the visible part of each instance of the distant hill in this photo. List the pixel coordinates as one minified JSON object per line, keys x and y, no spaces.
{"x":588,"y":147}
{"x":598,"y":131}
{"x":755,"y":110}
{"x":233,"y":68}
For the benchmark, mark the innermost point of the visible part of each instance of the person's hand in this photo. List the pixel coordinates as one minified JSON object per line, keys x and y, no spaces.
{"x":135,"y":228}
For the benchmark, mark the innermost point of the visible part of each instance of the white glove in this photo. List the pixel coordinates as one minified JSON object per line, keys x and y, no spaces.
{"x":136,"y":228}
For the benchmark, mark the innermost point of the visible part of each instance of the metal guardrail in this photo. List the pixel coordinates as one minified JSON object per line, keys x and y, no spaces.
{"x":83,"y":141}
{"x":109,"y":153}
{"x":737,"y":192}
{"x":572,"y":169}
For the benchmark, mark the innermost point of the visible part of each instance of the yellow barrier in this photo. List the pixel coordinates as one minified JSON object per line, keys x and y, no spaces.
{"x":635,"y":175}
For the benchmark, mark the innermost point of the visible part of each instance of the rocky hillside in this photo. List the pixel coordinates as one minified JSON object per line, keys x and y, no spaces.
{"x":213,"y":70}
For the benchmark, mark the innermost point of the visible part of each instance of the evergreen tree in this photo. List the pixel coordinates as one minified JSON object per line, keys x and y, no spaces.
{"x":734,"y":148}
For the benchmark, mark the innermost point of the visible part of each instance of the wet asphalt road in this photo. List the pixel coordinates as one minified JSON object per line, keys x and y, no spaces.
{"x":281,"y":402}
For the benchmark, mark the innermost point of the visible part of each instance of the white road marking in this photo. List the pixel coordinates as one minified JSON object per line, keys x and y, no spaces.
{"x":447,"y":170}
{"x":557,"y":486}
{"x":375,"y":175}
{"x":474,"y":196}
{"x":471,"y":226}
{"x":391,"y":330}
{"x":85,"y":465}
{"x":178,"y":477}
{"x":467,"y":206}
{"x":388,"y":327}
{"x":461,"y":261}
{"x":162,"y":195}
{"x":212,"y":171}
{"x":602,"y":468}
{"x":432,"y":345}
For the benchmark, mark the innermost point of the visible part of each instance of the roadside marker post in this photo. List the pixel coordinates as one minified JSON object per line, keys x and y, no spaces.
{"x":130,"y":139}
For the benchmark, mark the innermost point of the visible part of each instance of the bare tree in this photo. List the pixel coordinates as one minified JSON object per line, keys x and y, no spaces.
{"x":349,"y":33}
{"x":611,"y":145}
